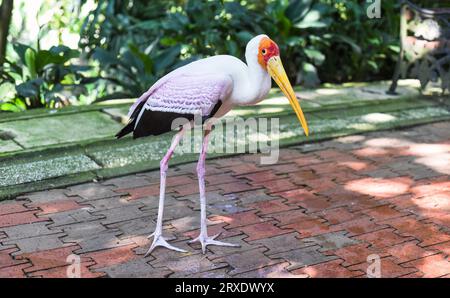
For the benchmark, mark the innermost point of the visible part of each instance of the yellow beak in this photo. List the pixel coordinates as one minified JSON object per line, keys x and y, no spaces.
{"x":277,"y":72}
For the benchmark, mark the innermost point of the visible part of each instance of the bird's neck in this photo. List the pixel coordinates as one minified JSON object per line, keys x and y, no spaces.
{"x":259,"y":81}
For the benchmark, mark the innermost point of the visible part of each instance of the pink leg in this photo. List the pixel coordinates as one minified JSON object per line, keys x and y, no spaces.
{"x":158,"y":240}
{"x":203,"y":238}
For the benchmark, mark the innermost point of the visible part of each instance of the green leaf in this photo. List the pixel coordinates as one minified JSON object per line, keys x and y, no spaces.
{"x":244,"y":36}
{"x":315,"y":55}
{"x":30,"y":62}
{"x":20,"y":49}
{"x":9,"y":107}
{"x":145,"y":59}
{"x":29,"y":89}
{"x":349,"y":41}
{"x":297,"y":9}
{"x":309,"y":75}
{"x":166,"y":58}
{"x":315,"y":18}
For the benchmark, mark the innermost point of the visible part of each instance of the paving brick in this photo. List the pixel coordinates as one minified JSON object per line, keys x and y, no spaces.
{"x":296,"y":195}
{"x":388,"y":268}
{"x":262,"y":230}
{"x":356,"y":254}
{"x":29,"y":230}
{"x":127,"y":181}
{"x":254,"y":196}
{"x":443,"y":247}
{"x":221,"y":251}
{"x":290,"y":217}
{"x":330,"y":269}
{"x":190,"y":189}
{"x":236,"y":187}
{"x":281,"y":243}
{"x":135,"y":227}
{"x":312,"y":205}
{"x":179,"y":180}
{"x":381,"y":188}
{"x":238,"y":219}
{"x":113,"y":256}
{"x":213,"y":230}
{"x":274,"y":186}
{"x":187,"y":223}
{"x":61,"y":272}
{"x":100,"y":240}
{"x":359,"y":225}
{"x":136,"y":268}
{"x":6,"y":260}
{"x":331,"y":241}
{"x":243,"y":168}
{"x":55,"y":207}
{"x":21,"y":218}
{"x":71,"y":217}
{"x":310,"y":227}
{"x":307,"y":160}
{"x":38,"y":243}
{"x":273,"y":271}
{"x":431,"y":266}
{"x":90,"y":191}
{"x":303,"y":257}
{"x":14,"y":271}
{"x":247,"y":261}
{"x":216,"y":273}
{"x":220,"y":178}
{"x":408,"y":251}
{"x":8,"y":208}
{"x":383,"y":238}
{"x":185,"y":266}
{"x":268,"y":207}
{"x":298,"y":177}
{"x":178,"y":210}
{"x":428,"y":234}
{"x":44,"y":196}
{"x":337,"y":215}
{"x":384,"y":212}
{"x":123,"y":213}
{"x":282,"y":168}
{"x":47,"y":259}
{"x":261,"y":176}
{"x":139,"y":192}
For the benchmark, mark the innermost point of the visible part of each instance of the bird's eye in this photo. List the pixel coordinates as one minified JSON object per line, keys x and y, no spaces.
{"x":264,"y":51}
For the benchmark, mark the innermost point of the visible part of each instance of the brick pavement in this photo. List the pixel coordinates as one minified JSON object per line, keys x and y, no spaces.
{"x":320,"y":212}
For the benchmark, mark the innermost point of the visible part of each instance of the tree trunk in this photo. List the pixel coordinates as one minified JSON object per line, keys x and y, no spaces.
{"x":5,"y":19}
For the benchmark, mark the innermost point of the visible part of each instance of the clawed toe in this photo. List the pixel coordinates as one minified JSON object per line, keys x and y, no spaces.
{"x":160,"y":241}
{"x":206,"y":240}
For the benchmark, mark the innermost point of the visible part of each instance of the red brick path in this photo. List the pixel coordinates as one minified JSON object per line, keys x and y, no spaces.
{"x":320,"y":212}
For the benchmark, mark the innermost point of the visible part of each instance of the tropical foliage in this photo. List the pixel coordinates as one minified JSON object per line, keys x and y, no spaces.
{"x":126,"y":45}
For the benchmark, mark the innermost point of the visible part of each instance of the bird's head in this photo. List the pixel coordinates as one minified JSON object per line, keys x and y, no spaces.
{"x":268,"y":56}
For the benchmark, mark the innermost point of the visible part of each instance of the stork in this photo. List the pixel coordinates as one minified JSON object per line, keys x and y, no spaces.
{"x":209,"y":87}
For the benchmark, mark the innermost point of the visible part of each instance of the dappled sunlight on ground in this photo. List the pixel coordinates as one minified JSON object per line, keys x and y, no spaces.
{"x":378,"y":187}
{"x":321,"y":211}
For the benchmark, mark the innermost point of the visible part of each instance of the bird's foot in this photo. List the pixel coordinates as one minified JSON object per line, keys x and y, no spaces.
{"x":206,"y":240}
{"x":159,"y":240}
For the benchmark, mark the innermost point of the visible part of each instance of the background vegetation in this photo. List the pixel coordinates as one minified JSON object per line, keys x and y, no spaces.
{"x":77,"y":52}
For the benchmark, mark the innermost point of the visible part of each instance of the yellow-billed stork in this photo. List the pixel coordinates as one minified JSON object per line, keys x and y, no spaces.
{"x":209,"y":87}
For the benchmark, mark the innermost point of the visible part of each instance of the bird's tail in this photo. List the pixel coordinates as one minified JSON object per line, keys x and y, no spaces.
{"x":126,"y":130}
{"x":129,"y":128}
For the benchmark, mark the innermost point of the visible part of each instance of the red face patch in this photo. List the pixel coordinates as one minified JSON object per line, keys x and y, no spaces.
{"x":267,"y":49}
